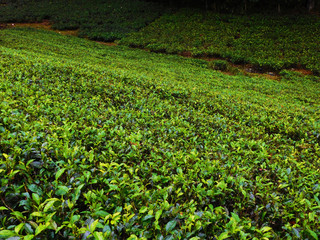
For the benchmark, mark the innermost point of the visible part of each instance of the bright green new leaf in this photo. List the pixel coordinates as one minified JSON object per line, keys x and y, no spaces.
{"x":6,"y":234}
{"x":98,"y":236}
{"x":18,"y":228}
{"x":143,"y":209}
{"x":60,"y":172}
{"x":265,"y":229}
{"x":223,"y":235}
{"x":93,"y":226}
{"x":36,"y":198}
{"x":133,"y":237}
{"x":313,"y":234}
{"x":19,"y":215}
{"x":28,"y":237}
{"x":41,"y":228}
{"x":49,"y":205}
{"x":158,"y":214}
{"x":75,"y":218}
{"x":36,"y":214}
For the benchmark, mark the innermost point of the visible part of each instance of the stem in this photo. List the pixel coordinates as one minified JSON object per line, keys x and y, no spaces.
{"x":4,"y":203}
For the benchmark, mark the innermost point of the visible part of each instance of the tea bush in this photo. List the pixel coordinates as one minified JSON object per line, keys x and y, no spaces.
{"x":218,"y":65}
{"x":267,"y":42}
{"x":102,"y":142}
{"x":98,"y":19}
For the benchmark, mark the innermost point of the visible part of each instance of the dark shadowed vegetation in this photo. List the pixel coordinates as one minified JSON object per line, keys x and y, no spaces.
{"x":103,"y":20}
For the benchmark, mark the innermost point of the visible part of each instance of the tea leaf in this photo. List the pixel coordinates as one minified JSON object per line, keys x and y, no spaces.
{"x":158,"y":214}
{"x":18,"y":228}
{"x":6,"y":234}
{"x":36,"y":198}
{"x":98,"y":235}
{"x":49,"y":205}
{"x":60,"y":172}
{"x":313,"y":234}
{"x":171,"y":225}
{"x":223,"y":235}
{"x":93,"y":226}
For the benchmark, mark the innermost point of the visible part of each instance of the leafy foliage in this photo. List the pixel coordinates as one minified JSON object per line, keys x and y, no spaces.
{"x":218,"y":65}
{"x":98,"y":19}
{"x":104,"y":142}
{"x":267,"y":42}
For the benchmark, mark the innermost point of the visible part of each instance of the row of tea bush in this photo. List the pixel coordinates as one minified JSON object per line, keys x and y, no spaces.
{"x":267,"y":42}
{"x":102,"y":142}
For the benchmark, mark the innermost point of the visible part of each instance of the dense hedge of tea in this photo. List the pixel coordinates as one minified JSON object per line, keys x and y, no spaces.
{"x":268,"y":42}
{"x":104,"y":142}
{"x":104,"y":20}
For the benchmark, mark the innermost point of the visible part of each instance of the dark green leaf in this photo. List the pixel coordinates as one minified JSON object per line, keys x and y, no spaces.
{"x":171,"y":225}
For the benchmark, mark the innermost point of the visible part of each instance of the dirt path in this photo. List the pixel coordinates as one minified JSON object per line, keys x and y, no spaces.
{"x":46,"y":25}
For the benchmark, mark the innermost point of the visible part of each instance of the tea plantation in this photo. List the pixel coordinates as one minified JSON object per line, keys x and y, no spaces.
{"x":104,"y":20}
{"x":101,"y":142}
{"x":267,"y":42}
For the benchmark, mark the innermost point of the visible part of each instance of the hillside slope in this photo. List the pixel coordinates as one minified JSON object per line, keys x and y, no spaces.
{"x":114,"y":143}
{"x":267,"y":42}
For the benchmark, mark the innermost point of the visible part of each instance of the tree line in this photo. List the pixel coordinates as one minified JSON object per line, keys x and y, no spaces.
{"x":243,"y":6}
{"x":231,"y":6}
